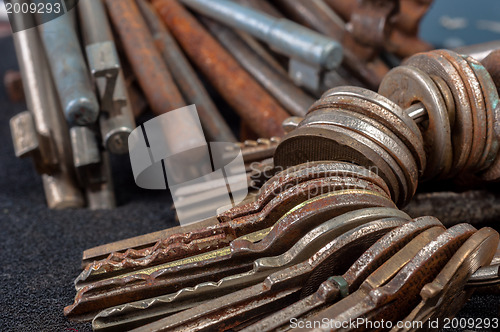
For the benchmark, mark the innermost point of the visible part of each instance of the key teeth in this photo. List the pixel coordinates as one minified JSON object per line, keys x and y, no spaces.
{"x":123,"y":282}
{"x":178,"y":238}
{"x":163,"y":255}
{"x":148,"y":303}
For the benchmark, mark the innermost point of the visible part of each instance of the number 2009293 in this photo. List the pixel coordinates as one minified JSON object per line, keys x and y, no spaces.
{"x":33,"y":8}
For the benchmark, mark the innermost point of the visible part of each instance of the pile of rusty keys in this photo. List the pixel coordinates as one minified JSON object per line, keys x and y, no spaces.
{"x":323,"y":238}
{"x":253,"y":257}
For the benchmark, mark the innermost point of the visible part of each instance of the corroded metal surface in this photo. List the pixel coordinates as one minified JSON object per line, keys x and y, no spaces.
{"x":144,"y":283}
{"x":255,"y":106}
{"x":292,"y":98}
{"x":445,"y":295}
{"x":374,"y":295}
{"x":286,"y":37}
{"x":185,"y":77}
{"x":304,"y":248}
{"x":358,"y":59}
{"x":217,"y":315}
{"x":69,"y":69}
{"x":153,"y":76}
{"x":333,"y":288}
{"x":13,"y":82}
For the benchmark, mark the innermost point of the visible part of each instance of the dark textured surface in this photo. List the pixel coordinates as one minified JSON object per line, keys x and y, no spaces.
{"x":41,"y":249}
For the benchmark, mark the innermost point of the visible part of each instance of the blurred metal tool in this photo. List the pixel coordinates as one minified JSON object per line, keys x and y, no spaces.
{"x":479,"y":51}
{"x":116,"y":120}
{"x":93,"y":168}
{"x":80,"y":106}
{"x":264,"y":6}
{"x":158,"y":86}
{"x":69,"y":69}
{"x":392,"y":25}
{"x":492,"y":64}
{"x":294,"y":99}
{"x":153,"y":75}
{"x":188,"y":82}
{"x":42,"y":132}
{"x":313,"y":51}
{"x":361,"y":61}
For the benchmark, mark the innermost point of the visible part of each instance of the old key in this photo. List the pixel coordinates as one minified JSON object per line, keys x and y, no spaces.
{"x":169,"y":277}
{"x":278,"y":195}
{"x":414,"y":235}
{"x":376,"y":298}
{"x":232,"y":309}
{"x":148,"y":310}
{"x":446,"y":294}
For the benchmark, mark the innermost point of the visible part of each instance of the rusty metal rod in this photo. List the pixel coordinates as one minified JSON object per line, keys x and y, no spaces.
{"x":255,"y":106}
{"x":185,"y":77}
{"x":403,"y":40}
{"x":273,"y":59}
{"x":292,"y":98}
{"x":152,"y":73}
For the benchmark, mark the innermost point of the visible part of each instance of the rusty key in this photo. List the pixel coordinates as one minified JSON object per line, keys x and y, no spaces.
{"x":140,"y":312}
{"x":381,"y":292}
{"x":230,"y":310}
{"x":150,"y":282}
{"x":421,"y":230}
{"x":241,"y":220}
{"x":445,"y":295}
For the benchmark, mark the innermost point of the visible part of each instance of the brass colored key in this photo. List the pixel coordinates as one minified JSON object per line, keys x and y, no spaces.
{"x":421,"y":231}
{"x":232,"y":309}
{"x":383,"y":291}
{"x":380,"y":109}
{"x":445,"y":295}
{"x":168,"y":278}
{"x":382,"y":112}
{"x":144,"y":311}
